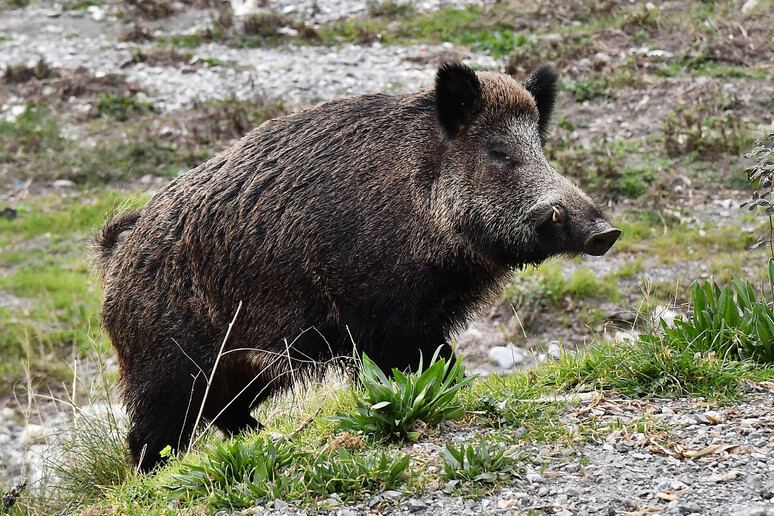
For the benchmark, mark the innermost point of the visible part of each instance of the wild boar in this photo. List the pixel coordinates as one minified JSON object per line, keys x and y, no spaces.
{"x":381,"y":221}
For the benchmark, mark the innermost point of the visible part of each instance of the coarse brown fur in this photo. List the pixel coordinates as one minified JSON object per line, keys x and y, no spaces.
{"x":382,"y":221}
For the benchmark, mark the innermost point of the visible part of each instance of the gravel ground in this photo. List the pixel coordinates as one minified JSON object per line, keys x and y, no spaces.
{"x":292,"y":74}
{"x":695,"y":460}
{"x":701,"y":461}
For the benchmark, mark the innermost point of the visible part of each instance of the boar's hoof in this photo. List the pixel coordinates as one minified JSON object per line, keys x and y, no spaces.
{"x":599,"y":243}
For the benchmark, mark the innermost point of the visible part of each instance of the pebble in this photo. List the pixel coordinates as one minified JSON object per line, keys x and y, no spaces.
{"x":534,"y":478}
{"x":415,"y":505}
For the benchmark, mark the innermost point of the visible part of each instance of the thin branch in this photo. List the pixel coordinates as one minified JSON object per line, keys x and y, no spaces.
{"x":212,"y":376}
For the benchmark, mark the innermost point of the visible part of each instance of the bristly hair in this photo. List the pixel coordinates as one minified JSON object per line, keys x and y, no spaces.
{"x":541,"y":84}
{"x":106,"y":238}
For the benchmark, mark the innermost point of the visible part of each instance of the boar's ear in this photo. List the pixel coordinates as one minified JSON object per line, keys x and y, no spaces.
{"x":542,"y":85}
{"x":457,"y":96}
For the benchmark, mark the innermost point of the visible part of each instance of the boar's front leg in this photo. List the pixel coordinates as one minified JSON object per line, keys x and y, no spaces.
{"x":403,"y":351}
{"x":162,"y":414}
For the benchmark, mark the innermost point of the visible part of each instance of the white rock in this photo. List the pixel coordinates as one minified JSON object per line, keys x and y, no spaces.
{"x":625,"y":336}
{"x":749,"y":5}
{"x":96,"y":12}
{"x":554,"y":350}
{"x":666,"y":314}
{"x":32,"y":433}
{"x":507,"y":356}
{"x":14,"y":113}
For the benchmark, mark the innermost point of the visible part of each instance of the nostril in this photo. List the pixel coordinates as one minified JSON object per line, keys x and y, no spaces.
{"x":599,"y":243}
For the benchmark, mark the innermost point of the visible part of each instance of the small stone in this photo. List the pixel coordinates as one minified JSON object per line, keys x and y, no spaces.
{"x":280,"y":505}
{"x":393,"y":495}
{"x":505,"y":504}
{"x":415,"y":505}
{"x":749,"y":5}
{"x":14,"y":113}
{"x":346,"y":512}
{"x":543,"y":491}
{"x":534,"y":478}
{"x":572,"y":467}
{"x":32,"y":433}
{"x":750,"y":511}
{"x":689,"y":508}
{"x":571,"y":491}
{"x":63,"y":183}
{"x":331,"y":503}
{"x":665,"y":314}
{"x":726,"y":477}
{"x":670,"y":484}
{"x":554,"y":350}
{"x":622,"y":337}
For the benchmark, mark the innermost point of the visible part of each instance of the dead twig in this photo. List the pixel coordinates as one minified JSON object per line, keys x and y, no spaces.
{"x":212,"y":376}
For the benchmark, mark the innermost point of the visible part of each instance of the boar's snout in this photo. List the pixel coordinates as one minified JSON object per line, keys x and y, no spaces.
{"x":601,"y":240}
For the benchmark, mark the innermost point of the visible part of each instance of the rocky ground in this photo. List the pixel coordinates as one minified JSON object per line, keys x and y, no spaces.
{"x":692,"y":460}
{"x":688,"y":459}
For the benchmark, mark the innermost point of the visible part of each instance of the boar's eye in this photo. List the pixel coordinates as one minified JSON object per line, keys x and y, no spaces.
{"x":501,"y":157}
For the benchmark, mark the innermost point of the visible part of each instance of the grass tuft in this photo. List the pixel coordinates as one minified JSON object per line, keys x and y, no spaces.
{"x":731,"y":321}
{"x":478,"y":463}
{"x":235,"y":473}
{"x":391,"y":407}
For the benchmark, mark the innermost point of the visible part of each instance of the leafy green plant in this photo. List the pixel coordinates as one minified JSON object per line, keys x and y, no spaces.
{"x":34,"y":132}
{"x":236,"y":473}
{"x":351,"y":475}
{"x":761,"y":178}
{"x":693,"y":130}
{"x":389,"y":8}
{"x":479,"y":463}
{"x":731,"y":321}
{"x":391,"y":407}
{"x":122,"y":108}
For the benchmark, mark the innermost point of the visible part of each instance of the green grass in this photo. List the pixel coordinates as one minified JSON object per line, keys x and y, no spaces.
{"x":544,"y":287}
{"x":44,"y":255}
{"x":317,"y":460}
{"x":122,"y":108}
{"x":35,"y":132}
{"x":127,"y":141}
